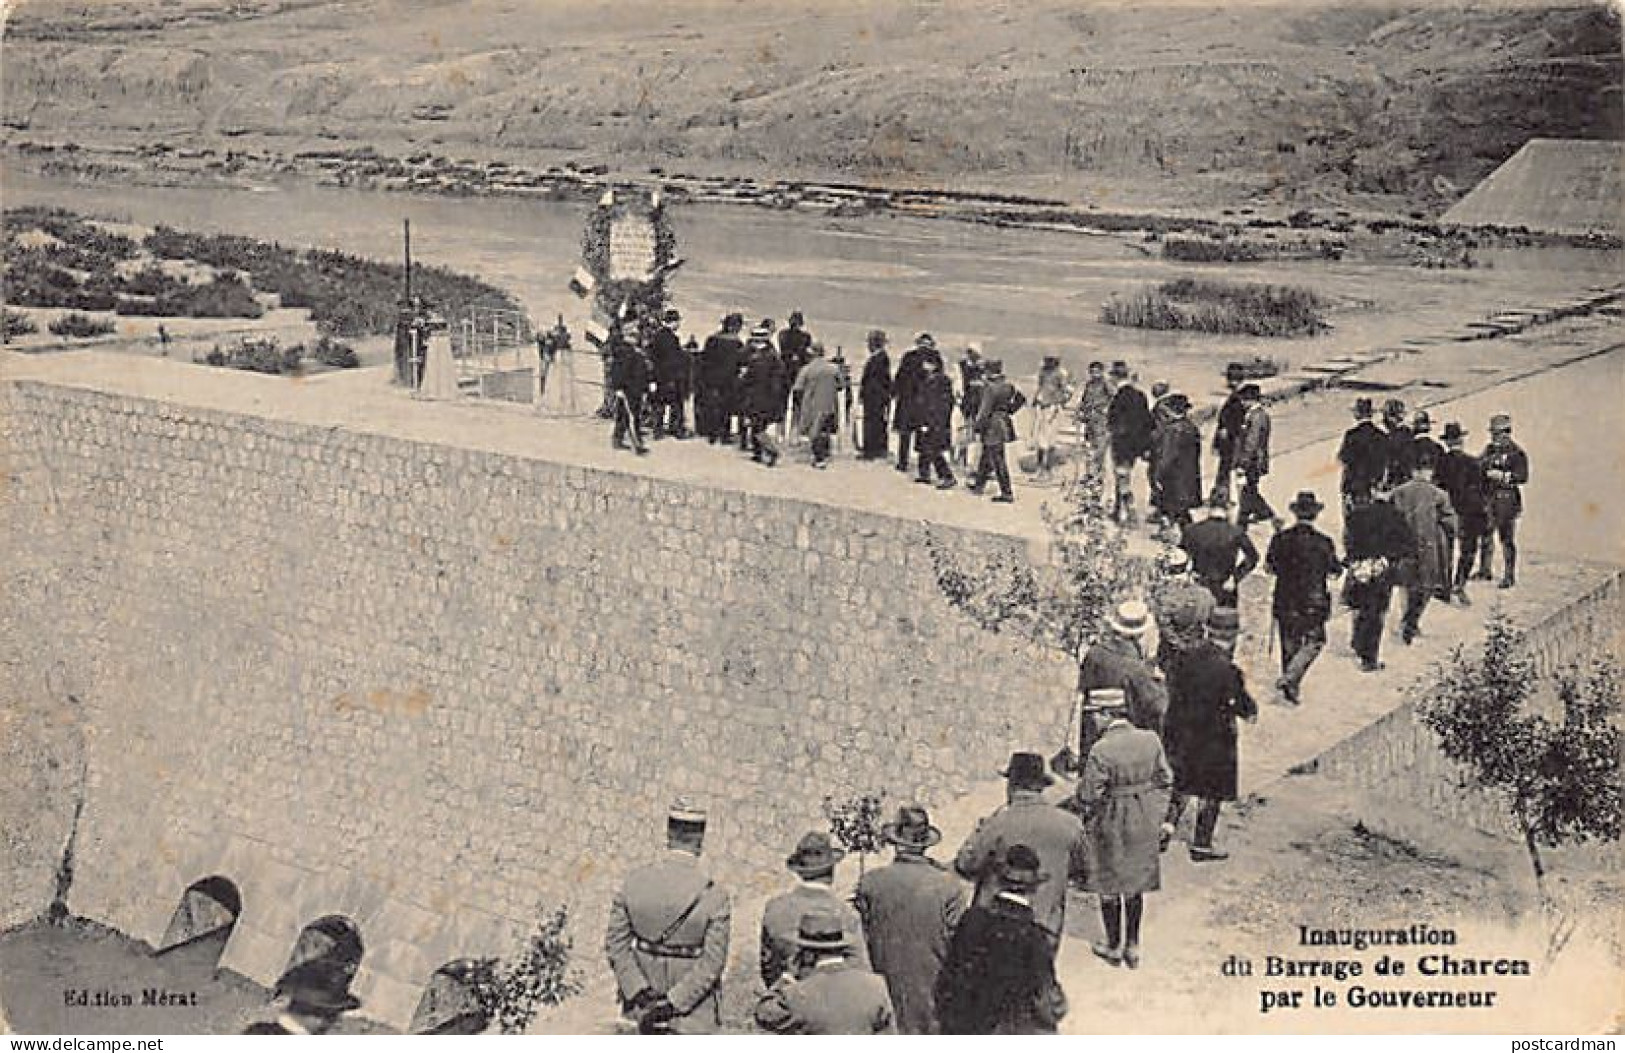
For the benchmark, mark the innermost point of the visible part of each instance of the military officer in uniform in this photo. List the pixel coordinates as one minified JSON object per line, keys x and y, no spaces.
{"x":667,"y":938}
{"x":1506,"y":468}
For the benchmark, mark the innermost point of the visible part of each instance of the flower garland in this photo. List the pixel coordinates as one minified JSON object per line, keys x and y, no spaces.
{"x":645,"y":298}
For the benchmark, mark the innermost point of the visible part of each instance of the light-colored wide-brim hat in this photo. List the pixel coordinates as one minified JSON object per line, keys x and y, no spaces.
{"x":1131,"y":618}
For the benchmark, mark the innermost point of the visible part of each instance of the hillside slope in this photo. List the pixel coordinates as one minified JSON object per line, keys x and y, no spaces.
{"x":1316,"y":102}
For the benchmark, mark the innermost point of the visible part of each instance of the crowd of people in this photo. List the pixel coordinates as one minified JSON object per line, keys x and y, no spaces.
{"x":969,"y":948}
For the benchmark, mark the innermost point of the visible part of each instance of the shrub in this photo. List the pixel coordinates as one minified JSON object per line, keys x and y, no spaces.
{"x":1206,"y":250}
{"x":15,"y":323}
{"x":1560,"y":780}
{"x":79,"y":326}
{"x":1219,"y":307}
{"x":258,"y":356}
{"x":511,"y":991}
{"x":330,"y":352}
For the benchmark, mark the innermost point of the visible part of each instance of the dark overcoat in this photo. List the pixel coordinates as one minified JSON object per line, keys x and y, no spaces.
{"x":1461,"y":476}
{"x":875,"y":386}
{"x":761,"y":387}
{"x":1364,"y":457}
{"x":910,"y":909}
{"x":1128,"y":419}
{"x":835,"y":998}
{"x":1302,"y":559}
{"x":936,"y":402}
{"x":1206,"y":694}
{"x":1179,"y":466}
{"x":999,"y":978}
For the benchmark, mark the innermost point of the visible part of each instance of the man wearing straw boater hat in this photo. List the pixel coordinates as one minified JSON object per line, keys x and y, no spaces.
{"x":813,"y":863}
{"x":999,"y":976}
{"x":1302,"y":560}
{"x":667,"y":938}
{"x":909,"y":909}
{"x":830,"y":992}
{"x":1026,"y":818}
{"x":1117,"y":660}
{"x":314,"y":995}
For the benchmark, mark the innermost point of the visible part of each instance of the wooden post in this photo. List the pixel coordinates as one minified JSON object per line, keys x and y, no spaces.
{"x":406,"y":228}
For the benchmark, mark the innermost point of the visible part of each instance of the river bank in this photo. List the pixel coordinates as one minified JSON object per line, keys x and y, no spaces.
{"x":1264,"y":232}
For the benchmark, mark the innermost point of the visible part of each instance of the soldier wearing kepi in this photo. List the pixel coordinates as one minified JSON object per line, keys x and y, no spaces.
{"x":1506,"y":468}
{"x":1302,"y":559}
{"x":910,"y":909}
{"x":667,"y":939}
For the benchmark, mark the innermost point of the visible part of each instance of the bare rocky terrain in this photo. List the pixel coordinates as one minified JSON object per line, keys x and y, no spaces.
{"x":1400,"y":106}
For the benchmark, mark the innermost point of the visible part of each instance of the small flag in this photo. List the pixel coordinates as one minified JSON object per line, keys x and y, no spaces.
{"x":583,"y":283}
{"x":608,"y":200}
{"x":596,"y":334}
{"x":654,"y":201}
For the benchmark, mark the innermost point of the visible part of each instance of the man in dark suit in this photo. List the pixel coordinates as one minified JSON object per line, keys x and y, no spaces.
{"x":875,"y":392}
{"x":906,"y":387}
{"x":671,"y":367}
{"x":1400,"y":443}
{"x":999,"y":977}
{"x":1302,"y":559}
{"x":1206,"y":694}
{"x":1363,"y":453}
{"x":1462,"y":478}
{"x":629,"y":380}
{"x":1055,"y":835}
{"x":830,"y":992}
{"x":1376,"y":544}
{"x":1221,"y":554}
{"x":1128,"y":422}
{"x":1506,"y":469}
{"x":1227,"y":433}
{"x":718,"y":375}
{"x":910,"y":909}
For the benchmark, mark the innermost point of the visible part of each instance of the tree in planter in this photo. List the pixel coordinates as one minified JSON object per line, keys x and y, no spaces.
{"x":1560,"y":779}
{"x":512,"y":990}
{"x":855,"y":823}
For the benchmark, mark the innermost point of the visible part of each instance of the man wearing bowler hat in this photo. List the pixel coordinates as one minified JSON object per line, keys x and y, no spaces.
{"x":671,"y":371}
{"x":813,"y":863}
{"x":1128,"y":422}
{"x":1302,"y":560}
{"x":909,"y":909}
{"x":314,"y":995}
{"x":1363,"y":453}
{"x":1227,"y":433}
{"x":1026,"y":818}
{"x":830,"y":992}
{"x":1506,"y":469}
{"x":999,"y":975}
{"x":1206,"y":693}
{"x":1462,"y":478}
{"x":667,"y":938}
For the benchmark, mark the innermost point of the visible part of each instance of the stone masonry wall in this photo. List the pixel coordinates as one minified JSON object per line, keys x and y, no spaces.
{"x":433,"y":688}
{"x":1399,"y":757}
